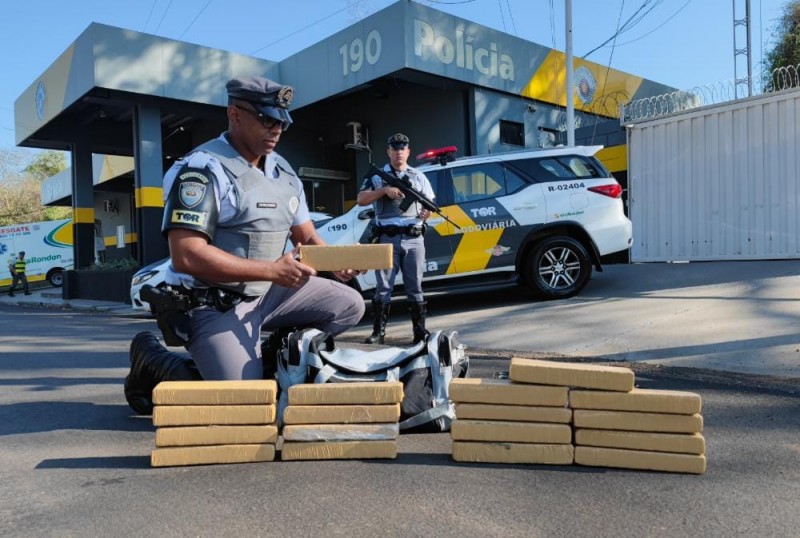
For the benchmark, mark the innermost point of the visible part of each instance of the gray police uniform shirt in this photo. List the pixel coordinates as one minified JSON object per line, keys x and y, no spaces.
{"x":387,"y":211}
{"x":244,"y":196}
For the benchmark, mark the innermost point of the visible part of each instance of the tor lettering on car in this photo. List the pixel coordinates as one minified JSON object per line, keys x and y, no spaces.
{"x":483,"y":212}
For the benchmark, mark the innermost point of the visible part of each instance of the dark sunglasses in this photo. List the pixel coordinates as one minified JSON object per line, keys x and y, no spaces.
{"x":268,"y":122}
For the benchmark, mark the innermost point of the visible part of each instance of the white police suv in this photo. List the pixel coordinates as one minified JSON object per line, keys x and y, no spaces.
{"x":540,"y":217}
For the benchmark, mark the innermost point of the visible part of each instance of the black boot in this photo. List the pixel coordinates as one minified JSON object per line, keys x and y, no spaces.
{"x":270,"y":347}
{"x":380,"y":316}
{"x":152,"y":363}
{"x":418,"y":313}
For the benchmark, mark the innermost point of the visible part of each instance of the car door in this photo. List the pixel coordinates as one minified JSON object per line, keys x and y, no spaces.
{"x":438,"y":251}
{"x":496,"y":209}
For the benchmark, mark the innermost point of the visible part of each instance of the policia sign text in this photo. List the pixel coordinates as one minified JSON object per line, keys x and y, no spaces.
{"x":461,"y":49}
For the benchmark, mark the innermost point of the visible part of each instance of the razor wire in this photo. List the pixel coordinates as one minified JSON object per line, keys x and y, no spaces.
{"x":600,"y":109}
{"x":782,"y":78}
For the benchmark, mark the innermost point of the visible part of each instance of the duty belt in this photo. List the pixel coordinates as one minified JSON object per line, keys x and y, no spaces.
{"x":412,"y":230}
{"x":217,"y":298}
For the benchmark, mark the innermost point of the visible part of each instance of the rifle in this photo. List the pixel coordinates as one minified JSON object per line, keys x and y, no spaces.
{"x":404,"y":184}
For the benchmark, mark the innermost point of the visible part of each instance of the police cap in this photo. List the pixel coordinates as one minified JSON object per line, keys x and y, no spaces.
{"x":268,"y":97}
{"x":398,"y":141}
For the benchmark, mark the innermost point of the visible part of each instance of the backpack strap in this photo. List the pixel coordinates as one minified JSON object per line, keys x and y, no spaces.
{"x":444,"y":409}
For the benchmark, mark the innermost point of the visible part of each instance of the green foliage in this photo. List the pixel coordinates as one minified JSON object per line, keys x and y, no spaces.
{"x":786,"y":33}
{"x":21,"y":176}
{"x":46,"y":164}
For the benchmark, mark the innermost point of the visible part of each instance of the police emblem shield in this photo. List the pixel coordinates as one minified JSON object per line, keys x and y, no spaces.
{"x":191,"y":193}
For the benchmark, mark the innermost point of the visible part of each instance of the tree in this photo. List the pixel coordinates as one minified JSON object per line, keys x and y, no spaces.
{"x":46,"y":164}
{"x":786,"y":33}
{"x":20,"y":186}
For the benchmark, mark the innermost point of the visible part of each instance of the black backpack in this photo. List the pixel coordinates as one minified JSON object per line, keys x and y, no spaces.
{"x":425,"y":370}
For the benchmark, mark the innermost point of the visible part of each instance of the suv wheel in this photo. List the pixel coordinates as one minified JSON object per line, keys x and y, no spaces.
{"x":559,"y":268}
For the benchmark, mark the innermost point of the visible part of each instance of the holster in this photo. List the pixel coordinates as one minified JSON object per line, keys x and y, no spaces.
{"x":172,"y":313}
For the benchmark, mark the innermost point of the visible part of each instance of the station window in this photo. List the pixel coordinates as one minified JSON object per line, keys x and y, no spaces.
{"x":512,"y":133}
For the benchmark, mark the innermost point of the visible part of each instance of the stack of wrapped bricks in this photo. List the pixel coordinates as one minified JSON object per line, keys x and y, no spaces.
{"x":500,"y":421}
{"x":205,"y":422}
{"x":617,"y":425}
{"x":342,"y":421}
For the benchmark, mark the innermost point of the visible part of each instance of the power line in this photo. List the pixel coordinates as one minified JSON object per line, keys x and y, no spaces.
{"x":657,"y":27}
{"x":152,"y":7}
{"x":300,"y":30}
{"x":511,"y":16}
{"x":162,"y":17}
{"x":641,"y":12}
{"x":195,"y":19}
{"x":502,"y":18}
{"x":610,"y":58}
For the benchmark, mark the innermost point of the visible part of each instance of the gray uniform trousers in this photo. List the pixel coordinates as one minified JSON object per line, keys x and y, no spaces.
{"x":227,"y":345}
{"x":408,"y":256}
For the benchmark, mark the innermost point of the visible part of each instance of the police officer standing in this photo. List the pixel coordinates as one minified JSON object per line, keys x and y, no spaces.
{"x":229,"y":207}
{"x":400,"y":223}
{"x":17,"y":267}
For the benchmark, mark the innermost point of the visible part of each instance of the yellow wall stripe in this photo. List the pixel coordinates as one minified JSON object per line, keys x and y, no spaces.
{"x":612,"y":87}
{"x":149,"y":197}
{"x":111,"y":240}
{"x":614,"y":158}
{"x":83,"y":215}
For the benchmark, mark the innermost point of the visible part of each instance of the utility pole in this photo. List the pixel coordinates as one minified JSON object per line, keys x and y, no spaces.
{"x":739,"y":51}
{"x":570,"y":76}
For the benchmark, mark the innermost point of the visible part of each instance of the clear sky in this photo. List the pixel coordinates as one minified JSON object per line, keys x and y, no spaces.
{"x":680,"y":43}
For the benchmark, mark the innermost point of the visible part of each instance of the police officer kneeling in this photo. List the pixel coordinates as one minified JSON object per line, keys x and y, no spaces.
{"x":229,"y":207}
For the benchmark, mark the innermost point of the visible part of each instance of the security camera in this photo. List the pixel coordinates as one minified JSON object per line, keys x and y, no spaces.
{"x":531,"y":107}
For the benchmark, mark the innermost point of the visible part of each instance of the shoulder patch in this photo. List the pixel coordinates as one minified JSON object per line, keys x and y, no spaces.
{"x":191,"y":193}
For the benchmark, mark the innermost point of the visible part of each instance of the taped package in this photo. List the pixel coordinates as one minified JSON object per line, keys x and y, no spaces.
{"x":679,"y":443}
{"x":642,"y":400}
{"x":340,"y":257}
{"x":341,"y":414}
{"x":516,"y":413}
{"x":250,"y":392}
{"x":638,"y":422}
{"x":364,"y":393}
{"x":344,"y":450}
{"x":512,"y":432}
{"x":341,"y":432}
{"x":216,"y":435}
{"x":203,"y":455}
{"x":639,"y":459}
{"x":543,"y":454}
{"x":503,"y":391}
{"x":589,"y":376}
{"x":208,"y":415}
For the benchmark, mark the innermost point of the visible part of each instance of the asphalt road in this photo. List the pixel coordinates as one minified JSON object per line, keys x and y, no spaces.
{"x":738,"y":316}
{"x":76,"y":462}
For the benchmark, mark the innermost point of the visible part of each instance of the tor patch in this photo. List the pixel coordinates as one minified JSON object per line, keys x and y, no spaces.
{"x":191,"y":193}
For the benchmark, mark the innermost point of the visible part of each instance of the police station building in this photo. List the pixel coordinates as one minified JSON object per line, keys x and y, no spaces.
{"x":126,"y":104}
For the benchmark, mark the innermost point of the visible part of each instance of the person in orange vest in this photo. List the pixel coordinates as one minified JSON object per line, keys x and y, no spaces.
{"x":17,"y":269}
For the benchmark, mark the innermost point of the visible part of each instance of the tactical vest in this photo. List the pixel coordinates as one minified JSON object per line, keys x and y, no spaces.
{"x":265,"y":213}
{"x":386,"y":208}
